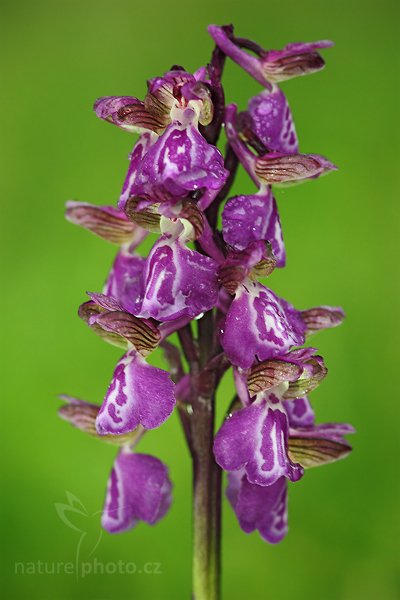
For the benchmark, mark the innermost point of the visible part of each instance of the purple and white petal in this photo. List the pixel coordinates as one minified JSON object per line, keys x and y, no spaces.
{"x":125,"y":281}
{"x":262,"y":508}
{"x":259,"y":325}
{"x":246,"y":219}
{"x":129,"y":113}
{"x":255,"y":438}
{"x":181,"y":161}
{"x":138,"y":394}
{"x":135,"y":159}
{"x":243,"y":154}
{"x":138,"y":489}
{"x":240,"y":379}
{"x":299,"y":412}
{"x":272,"y":121}
{"x":179,"y":281}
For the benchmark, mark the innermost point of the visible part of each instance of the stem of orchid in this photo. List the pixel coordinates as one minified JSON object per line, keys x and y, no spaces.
{"x":206,"y":473}
{"x":206,"y":506}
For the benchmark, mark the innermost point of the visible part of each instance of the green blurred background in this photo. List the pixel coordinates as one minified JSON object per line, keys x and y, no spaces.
{"x":58,"y":57}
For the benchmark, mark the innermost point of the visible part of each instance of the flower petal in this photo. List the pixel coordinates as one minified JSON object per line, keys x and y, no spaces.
{"x":246,"y":219}
{"x":314,"y":371}
{"x":322,"y":317}
{"x":178,"y":281}
{"x":320,"y":444}
{"x":82,"y":415}
{"x":177,"y":88}
{"x":273,"y":65}
{"x":105,"y":221}
{"x":299,"y":412}
{"x":255,"y":438}
{"x":259,"y":325}
{"x":142,"y":334}
{"x":135,"y":158}
{"x":88,"y":312}
{"x":128,"y":113}
{"x":272,"y":121}
{"x":238,"y":265}
{"x":139,"y":489}
{"x":181,"y":161}
{"x":138,"y":394}
{"x":125,"y":281}
{"x":259,"y":507}
{"x":276,"y":168}
{"x":294,"y":60}
{"x":269,"y":373}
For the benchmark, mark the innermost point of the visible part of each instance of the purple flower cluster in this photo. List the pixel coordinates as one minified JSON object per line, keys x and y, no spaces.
{"x":176,"y":184}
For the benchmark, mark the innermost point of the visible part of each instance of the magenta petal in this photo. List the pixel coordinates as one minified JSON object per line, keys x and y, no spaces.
{"x":328,"y":431}
{"x":256,"y":438}
{"x":259,"y":325}
{"x":262,"y":508}
{"x":299,"y":412}
{"x":272,"y":121}
{"x":139,"y":489}
{"x":178,"y":281}
{"x":125,"y":281}
{"x":246,"y":219}
{"x":139,"y":394}
{"x":135,"y":158}
{"x":179,"y":162}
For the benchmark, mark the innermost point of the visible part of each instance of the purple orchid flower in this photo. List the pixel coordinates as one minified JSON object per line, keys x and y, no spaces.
{"x":259,"y":325}
{"x":139,"y":489}
{"x":179,"y":162}
{"x":179,"y":282}
{"x":138,"y":394}
{"x":255,"y":438}
{"x":125,"y":281}
{"x":268,"y":122}
{"x":269,"y":66}
{"x":246,"y":219}
{"x":249,"y":218}
{"x":273,"y":438}
{"x":202,"y":282}
{"x":264,"y":508}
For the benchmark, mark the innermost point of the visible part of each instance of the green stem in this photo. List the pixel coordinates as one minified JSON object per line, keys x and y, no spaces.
{"x":206,"y":504}
{"x":206,"y":473}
